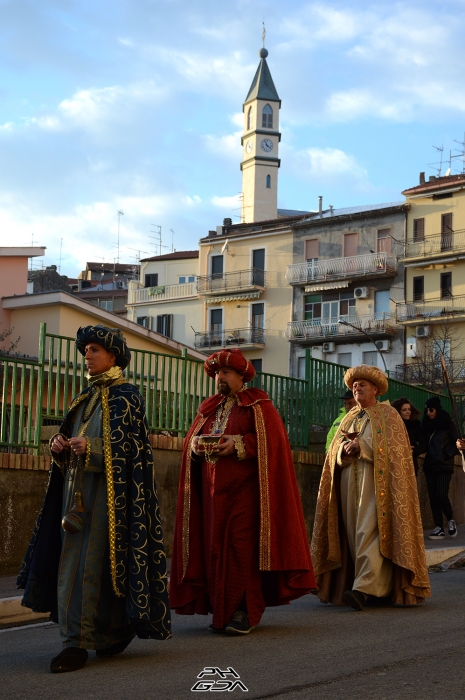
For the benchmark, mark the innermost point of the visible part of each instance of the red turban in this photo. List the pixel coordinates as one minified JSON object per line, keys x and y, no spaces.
{"x":229,"y":359}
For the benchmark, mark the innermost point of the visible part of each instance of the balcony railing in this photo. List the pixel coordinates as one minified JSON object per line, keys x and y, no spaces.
{"x":377,"y":324}
{"x":235,"y":337}
{"x":172,"y":291}
{"x":430,"y":373}
{"x":431,"y":309}
{"x":448,"y":242}
{"x":242,"y":280}
{"x":372,"y":265}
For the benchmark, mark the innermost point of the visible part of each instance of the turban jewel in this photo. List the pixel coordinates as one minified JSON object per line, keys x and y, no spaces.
{"x":112,"y":339}
{"x":372,"y":374}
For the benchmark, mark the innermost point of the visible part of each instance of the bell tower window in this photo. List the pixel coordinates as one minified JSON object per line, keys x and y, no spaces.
{"x":249,"y":118}
{"x":267,"y":117}
{"x":268,"y":181}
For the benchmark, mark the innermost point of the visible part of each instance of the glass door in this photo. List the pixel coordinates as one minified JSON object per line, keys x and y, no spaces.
{"x":330,"y":317}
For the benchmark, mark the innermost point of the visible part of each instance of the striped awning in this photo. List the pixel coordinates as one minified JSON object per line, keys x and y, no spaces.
{"x":233,"y":297}
{"x":327,"y":285}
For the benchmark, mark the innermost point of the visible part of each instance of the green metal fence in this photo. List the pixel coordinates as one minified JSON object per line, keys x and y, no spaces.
{"x":289,"y":396}
{"x":19,"y":409}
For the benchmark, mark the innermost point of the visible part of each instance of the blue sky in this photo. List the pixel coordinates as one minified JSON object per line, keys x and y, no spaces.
{"x":137,"y":106}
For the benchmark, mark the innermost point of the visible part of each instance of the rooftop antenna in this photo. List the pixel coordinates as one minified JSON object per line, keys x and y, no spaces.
{"x":431,"y":165}
{"x":61,"y":249}
{"x":138,"y":257}
{"x":263,"y":33}
{"x":120,"y":214}
{"x":462,"y":153}
{"x":172,"y":240}
{"x":157,"y":235}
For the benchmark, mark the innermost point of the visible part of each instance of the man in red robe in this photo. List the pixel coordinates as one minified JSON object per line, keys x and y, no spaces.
{"x":240,"y":542}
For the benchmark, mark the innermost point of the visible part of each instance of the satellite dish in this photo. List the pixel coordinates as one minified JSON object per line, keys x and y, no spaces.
{"x":447,"y":173}
{"x":225,"y":246}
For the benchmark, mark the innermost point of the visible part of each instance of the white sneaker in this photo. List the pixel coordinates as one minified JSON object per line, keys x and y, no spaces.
{"x":452,"y":528}
{"x":437,"y":534}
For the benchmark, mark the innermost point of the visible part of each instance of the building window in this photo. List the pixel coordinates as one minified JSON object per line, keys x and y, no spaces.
{"x":301,"y":368}
{"x":257,"y":365}
{"x":311,"y":250}
{"x":258,"y":267}
{"x":418,"y":230}
{"x":446,"y":285}
{"x":268,"y":181}
{"x":370,"y":357}
{"x":312,"y":307}
{"x":216,"y":325}
{"x":384,"y":240}
{"x":347,"y":304}
{"x":382,"y":307}
{"x":143,"y":321}
{"x":106,"y":304}
{"x":350,"y":245}
{"x":184,"y":279}
{"x":249,"y":118}
{"x":151,"y":280}
{"x":418,"y":288}
{"x":267,"y":117}
{"x":344,"y":358}
{"x":165,"y":325}
{"x":217,"y":266}
{"x":258,"y":322}
{"x":446,"y":232}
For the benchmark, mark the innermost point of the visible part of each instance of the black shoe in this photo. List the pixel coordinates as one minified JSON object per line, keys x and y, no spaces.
{"x":452,"y":529}
{"x":239,"y":624}
{"x":437,"y":534}
{"x":356,"y":599}
{"x":70,"y":659}
{"x":113,"y":650}
{"x":216,"y":630}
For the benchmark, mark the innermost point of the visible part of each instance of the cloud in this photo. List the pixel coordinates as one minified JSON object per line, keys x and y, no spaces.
{"x":327,"y":163}
{"x":227,"y":146}
{"x":232,"y":203}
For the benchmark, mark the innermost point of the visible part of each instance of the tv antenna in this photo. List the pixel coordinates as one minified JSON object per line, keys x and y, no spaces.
{"x":432,"y":165}
{"x":61,"y":250}
{"x":120,"y":214}
{"x":138,"y":251}
{"x":461,"y":153}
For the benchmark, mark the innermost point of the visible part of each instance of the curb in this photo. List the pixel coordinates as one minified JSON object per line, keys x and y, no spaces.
{"x":436,"y":556}
{"x":12,"y":613}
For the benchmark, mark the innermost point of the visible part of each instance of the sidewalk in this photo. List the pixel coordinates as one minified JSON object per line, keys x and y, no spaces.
{"x":438,"y":551}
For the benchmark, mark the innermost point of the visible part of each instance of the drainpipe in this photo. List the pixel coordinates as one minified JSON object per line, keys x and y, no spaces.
{"x":320,"y":205}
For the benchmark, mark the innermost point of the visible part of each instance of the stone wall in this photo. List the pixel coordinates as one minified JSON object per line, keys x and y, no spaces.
{"x":23,"y":480}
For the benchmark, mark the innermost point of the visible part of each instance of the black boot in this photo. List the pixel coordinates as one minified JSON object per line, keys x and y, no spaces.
{"x":70,"y":659}
{"x":356,"y":599}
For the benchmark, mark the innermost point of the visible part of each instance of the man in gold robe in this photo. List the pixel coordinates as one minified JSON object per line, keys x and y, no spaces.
{"x":367,"y":542}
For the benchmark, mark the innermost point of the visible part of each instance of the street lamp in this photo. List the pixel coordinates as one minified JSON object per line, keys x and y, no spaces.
{"x":346,"y":323}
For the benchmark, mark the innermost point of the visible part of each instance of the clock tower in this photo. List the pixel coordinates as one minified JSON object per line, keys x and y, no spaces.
{"x":260,"y":144}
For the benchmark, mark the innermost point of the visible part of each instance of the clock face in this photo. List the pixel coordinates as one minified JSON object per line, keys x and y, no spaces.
{"x":267,"y":145}
{"x":248,"y":146}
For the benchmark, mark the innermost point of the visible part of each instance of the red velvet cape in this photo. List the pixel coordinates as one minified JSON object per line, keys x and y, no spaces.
{"x":283,"y":543}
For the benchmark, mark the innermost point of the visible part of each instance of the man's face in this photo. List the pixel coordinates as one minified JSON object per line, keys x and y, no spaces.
{"x":228,"y":381}
{"x":98,"y":359}
{"x":348,"y":404}
{"x":364,"y":392}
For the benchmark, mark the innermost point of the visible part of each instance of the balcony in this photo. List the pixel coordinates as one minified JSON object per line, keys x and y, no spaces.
{"x":440,"y":245}
{"x":359,"y":266}
{"x":243,"y":337}
{"x":145,"y":295}
{"x":430,"y":373}
{"x":252,"y":280}
{"x":329,"y":329}
{"x":431,"y":311}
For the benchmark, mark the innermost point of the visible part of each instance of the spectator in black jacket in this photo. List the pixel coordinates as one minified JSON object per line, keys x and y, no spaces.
{"x":439,"y":464}
{"x":417,"y":436}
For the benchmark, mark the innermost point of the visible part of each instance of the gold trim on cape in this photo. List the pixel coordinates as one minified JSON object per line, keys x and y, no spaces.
{"x":265,"y":522}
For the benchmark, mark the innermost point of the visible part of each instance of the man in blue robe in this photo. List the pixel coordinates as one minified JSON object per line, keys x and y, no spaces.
{"x":102,"y":573}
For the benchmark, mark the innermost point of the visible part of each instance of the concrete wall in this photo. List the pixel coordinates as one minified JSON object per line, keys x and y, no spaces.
{"x":23,"y":480}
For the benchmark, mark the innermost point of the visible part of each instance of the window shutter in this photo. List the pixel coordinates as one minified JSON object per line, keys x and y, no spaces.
{"x":350,"y":245}
{"x":311,"y":249}
{"x":418,"y":229}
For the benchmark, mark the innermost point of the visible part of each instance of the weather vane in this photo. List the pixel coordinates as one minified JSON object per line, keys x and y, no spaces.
{"x":263,"y":34}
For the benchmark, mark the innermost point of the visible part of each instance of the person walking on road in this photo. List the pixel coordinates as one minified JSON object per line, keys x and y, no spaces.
{"x":348,"y":402}
{"x":367,"y":542}
{"x":439,"y":465}
{"x":240,"y":542}
{"x":417,"y":436}
{"x":96,"y":560}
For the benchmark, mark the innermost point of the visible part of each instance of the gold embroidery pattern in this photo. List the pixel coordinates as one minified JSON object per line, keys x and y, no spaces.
{"x":110,"y":486}
{"x":265,"y":520}
{"x":186,"y":508}
{"x":240,"y":447}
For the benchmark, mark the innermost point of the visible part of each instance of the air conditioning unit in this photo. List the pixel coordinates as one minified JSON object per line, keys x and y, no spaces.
{"x":329,"y":347}
{"x":383,"y":345}
{"x":361,"y":292}
{"x":411,"y":347}
{"x":422,"y":331}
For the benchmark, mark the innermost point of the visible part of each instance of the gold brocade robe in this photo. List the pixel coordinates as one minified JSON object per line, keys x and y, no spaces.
{"x":398,"y":512}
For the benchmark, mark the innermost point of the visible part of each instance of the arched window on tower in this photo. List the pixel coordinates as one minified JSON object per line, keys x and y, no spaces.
{"x":249,"y":118}
{"x":268,"y":181}
{"x":267,"y":117}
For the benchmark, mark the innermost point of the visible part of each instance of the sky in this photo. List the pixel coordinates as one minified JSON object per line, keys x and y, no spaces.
{"x":136,"y":106}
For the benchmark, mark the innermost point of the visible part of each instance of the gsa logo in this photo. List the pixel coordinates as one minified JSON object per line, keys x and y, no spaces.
{"x":220,"y":684}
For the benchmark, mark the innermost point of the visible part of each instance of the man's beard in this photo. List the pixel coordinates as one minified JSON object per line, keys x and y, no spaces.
{"x":224,"y":389}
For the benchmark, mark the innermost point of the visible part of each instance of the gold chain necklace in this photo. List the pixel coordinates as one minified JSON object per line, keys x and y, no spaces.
{"x":222,"y":415}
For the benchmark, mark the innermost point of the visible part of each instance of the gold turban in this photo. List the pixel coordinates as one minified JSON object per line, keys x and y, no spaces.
{"x":372,"y":374}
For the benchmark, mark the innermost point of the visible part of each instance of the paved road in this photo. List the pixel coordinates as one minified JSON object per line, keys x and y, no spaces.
{"x":305,"y":650}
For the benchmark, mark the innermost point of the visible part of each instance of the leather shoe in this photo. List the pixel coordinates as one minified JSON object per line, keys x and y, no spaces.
{"x":356,"y":599}
{"x":113,"y":650}
{"x":70,"y":659}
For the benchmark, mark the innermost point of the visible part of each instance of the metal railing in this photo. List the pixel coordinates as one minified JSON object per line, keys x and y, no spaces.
{"x":19,"y":408}
{"x":232,"y":281}
{"x":162,"y":293}
{"x":447,"y":242}
{"x":431,"y":308}
{"x":341,"y":268}
{"x":290,"y":397}
{"x":328,"y":328}
{"x":430,"y":373}
{"x":235,"y":337}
